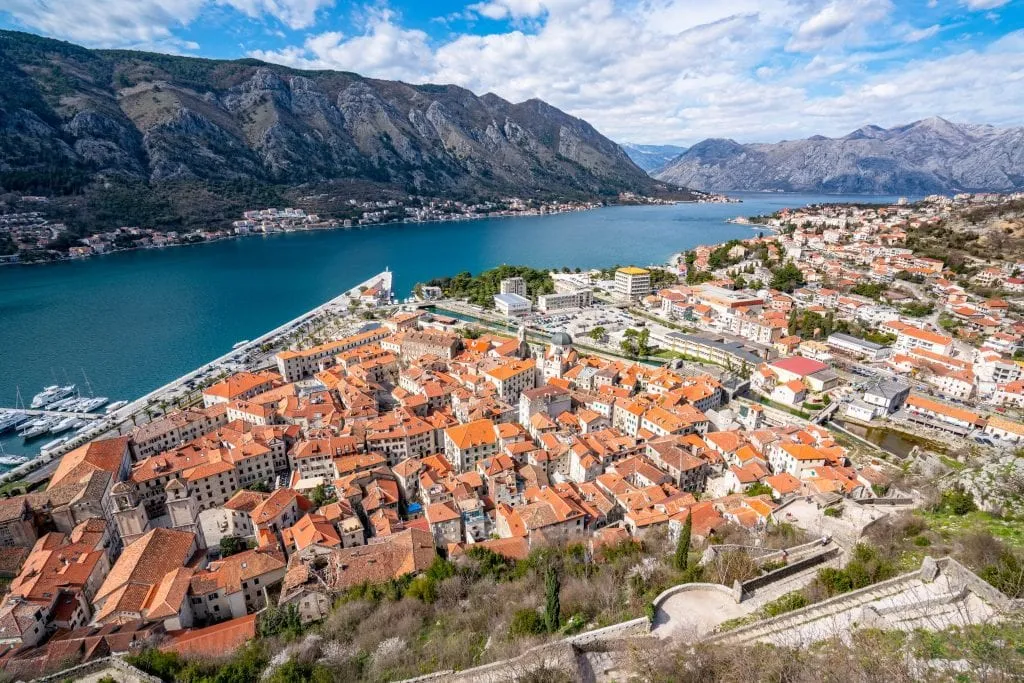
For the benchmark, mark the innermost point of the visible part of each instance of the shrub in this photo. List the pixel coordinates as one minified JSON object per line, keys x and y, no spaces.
{"x":163,"y":665}
{"x":759,"y":489}
{"x":275,"y":621}
{"x":835,"y":511}
{"x":866,"y":567}
{"x":1006,"y":574}
{"x":956,"y":501}
{"x":785,"y":603}
{"x":526,"y":622}
{"x":731,"y":566}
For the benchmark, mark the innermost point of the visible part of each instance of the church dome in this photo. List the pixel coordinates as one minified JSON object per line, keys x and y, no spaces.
{"x":561,"y":339}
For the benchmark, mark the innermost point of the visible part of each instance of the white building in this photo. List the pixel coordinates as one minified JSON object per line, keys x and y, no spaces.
{"x":910,"y":337}
{"x":632,"y":283}
{"x":511,"y":305}
{"x":856,"y":347}
{"x":555,"y":302}
{"x":513,"y":285}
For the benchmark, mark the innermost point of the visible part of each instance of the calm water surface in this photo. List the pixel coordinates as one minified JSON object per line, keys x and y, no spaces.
{"x":133,"y":321}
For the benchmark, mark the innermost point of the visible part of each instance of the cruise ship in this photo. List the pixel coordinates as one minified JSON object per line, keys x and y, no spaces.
{"x":50,"y":394}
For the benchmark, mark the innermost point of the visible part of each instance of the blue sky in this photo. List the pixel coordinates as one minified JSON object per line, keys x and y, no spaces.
{"x":656,"y":71}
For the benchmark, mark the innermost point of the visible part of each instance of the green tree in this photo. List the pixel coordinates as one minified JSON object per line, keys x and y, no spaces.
{"x":319,"y":496}
{"x":597,"y":333}
{"x":232,"y":545}
{"x":872,"y":290}
{"x":681,"y":561}
{"x":552,"y":605}
{"x":276,"y":620}
{"x":787,"y":277}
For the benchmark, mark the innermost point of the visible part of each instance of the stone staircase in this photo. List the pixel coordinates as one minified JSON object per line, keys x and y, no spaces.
{"x":931,"y":598}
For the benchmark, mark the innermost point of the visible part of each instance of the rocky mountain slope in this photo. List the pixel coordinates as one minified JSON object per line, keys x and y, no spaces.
{"x":924,"y":157}
{"x":70,"y":117}
{"x":651,"y":158}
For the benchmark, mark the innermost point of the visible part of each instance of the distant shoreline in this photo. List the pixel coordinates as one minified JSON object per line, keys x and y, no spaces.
{"x":331,"y":228}
{"x":325,"y":228}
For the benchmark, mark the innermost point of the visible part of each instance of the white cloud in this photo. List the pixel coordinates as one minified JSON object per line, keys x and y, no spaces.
{"x":144,"y":23}
{"x":914,"y":35}
{"x":385,"y":50}
{"x":504,"y":9}
{"x":840,"y":23}
{"x":983,"y":4}
{"x":295,"y":14}
{"x":133,"y":23}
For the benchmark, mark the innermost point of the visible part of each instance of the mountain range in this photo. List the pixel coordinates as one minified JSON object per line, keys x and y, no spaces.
{"x":651,"y":157}
{"x":928,"y":156}
{"x":74,"y":119}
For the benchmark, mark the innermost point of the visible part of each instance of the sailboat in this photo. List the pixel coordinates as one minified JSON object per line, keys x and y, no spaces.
{"x":93,"y":402}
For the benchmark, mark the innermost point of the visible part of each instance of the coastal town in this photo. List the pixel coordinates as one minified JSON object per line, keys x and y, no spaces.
{"x":30,"y":236}
{"x":764,"y":405}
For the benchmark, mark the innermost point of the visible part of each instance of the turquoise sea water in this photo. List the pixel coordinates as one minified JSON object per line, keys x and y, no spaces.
{"x":133,"y":321}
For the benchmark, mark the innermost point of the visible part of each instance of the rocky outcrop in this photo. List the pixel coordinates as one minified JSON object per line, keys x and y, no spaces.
{"x":157,"y":118}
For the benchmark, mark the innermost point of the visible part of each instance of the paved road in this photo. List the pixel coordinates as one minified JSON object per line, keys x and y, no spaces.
{"x":690,"y":615}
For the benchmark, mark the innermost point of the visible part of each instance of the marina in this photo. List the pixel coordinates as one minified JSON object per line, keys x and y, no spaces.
{"x":120,"y":418}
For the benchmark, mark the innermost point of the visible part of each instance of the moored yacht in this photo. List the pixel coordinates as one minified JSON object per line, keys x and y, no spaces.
{"x":88,"y":405}
{"x":66,"y":424}
{"x":50,"y":394}
{"x":38,"y":427}
{"x":11,"y":419}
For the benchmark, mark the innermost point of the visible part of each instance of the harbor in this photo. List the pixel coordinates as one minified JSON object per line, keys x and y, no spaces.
{"x":253,"y":354}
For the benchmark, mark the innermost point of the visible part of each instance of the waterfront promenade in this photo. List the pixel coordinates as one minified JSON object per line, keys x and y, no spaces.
{"x":140,"y":410}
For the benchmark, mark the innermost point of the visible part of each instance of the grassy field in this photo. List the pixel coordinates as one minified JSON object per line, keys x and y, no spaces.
{"x":948,"y":525}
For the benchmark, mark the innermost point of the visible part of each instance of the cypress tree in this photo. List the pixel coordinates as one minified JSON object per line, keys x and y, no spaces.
{"x":682,"y":558}
{"x":553,"y":606}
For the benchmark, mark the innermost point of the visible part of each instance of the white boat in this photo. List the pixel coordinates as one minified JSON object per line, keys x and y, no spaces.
{"x":53,"y":445}
{"x":50,"y":394}
{"x":75,"y":406}
{"x":89,"y":424}
{"x":12,"y":460}
{"x":116,"y":405}
{"x":240,"y":344}
{"x":38,"y":427}
{"x":90,"y":404}
{"x":66,"y":424}
{"x":63,"y":404}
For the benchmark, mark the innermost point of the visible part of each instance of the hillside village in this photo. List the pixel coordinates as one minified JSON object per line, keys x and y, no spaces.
{"x":377,"y":457}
